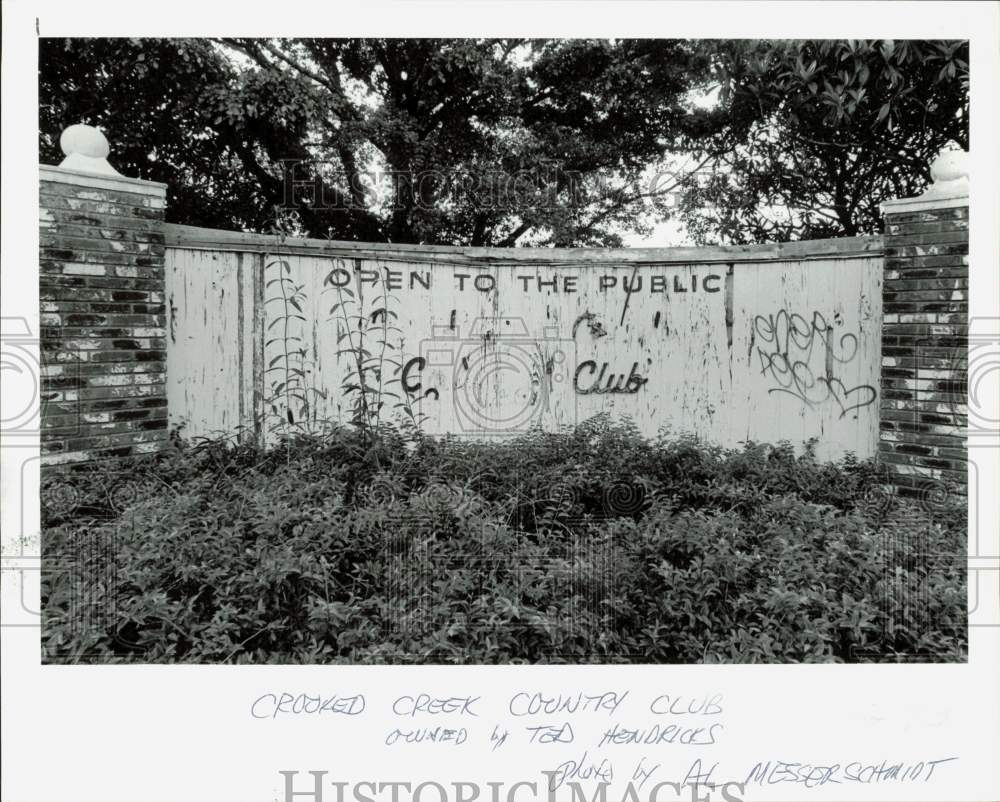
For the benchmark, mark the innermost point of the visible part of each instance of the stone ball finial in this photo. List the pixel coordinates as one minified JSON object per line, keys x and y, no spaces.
{"x":85,"y":140}
{"x":950,"y":173}
{"x":86,"y":150}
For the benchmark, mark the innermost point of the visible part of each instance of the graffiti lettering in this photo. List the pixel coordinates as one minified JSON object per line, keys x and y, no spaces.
{"x":413,"y":387}
{"x":595,"y":325}
{"x":790,"y":342}
{"x":616,"y":383}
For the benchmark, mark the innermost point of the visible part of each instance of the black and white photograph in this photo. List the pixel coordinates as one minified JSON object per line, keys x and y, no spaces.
{"x":503,"y":350}
{"x":500,"y":401}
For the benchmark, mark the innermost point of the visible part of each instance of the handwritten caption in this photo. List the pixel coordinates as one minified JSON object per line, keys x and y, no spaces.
{"x":596,"y":737}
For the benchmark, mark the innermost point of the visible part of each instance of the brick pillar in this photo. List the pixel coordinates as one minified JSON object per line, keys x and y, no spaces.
{"x":925,"y":334}
{"x":101,"y":276}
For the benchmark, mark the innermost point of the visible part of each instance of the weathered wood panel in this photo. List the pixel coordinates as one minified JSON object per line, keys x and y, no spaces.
{"x":806,"y":353}
{"x":768,"y":349}
{"x":214,"y":348}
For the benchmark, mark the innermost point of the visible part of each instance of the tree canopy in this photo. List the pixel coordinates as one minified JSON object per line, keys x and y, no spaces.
{"x":814,"y":135}
{"x":515,"y":142}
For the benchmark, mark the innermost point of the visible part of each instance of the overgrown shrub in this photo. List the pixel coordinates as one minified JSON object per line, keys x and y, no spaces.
{"x":589,"y":546}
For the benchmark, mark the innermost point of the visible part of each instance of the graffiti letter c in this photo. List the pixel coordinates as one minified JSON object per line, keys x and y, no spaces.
{"x":412,"y":387}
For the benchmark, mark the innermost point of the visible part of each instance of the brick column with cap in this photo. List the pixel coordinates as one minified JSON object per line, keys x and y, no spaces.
{"x":925,"y":334}
{"x":103,"y":346}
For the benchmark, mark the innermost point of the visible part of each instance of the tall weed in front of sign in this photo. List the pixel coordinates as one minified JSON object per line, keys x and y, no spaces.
{"x":291,"y":402}
{"x":371,"y":342}
{"x":369,"y":347}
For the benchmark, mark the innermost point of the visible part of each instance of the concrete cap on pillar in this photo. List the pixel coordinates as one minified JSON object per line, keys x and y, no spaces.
{"x":949,"y":190}
{"x":86,"y":150}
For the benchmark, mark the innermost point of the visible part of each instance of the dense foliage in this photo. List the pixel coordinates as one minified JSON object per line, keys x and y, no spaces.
{"x":563,"y":142}
{"x":591,"y":546}
{"x":816,"y":134}
{"x":471,"y":141}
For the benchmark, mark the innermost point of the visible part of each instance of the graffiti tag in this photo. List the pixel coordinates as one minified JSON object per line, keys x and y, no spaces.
{"x":793,"y":344}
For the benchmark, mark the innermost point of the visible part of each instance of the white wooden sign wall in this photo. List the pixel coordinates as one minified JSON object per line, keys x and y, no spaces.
{"x":762,"y":346}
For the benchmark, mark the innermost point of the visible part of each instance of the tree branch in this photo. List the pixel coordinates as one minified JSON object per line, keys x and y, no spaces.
{"x":511,"y":239}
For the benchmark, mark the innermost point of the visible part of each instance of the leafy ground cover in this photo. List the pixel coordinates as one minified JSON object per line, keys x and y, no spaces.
{"x":590,"y":546}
